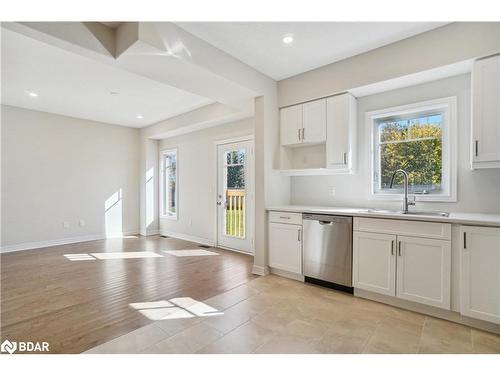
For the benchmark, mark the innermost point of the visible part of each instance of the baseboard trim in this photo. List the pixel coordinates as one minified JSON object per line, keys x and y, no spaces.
{"x":149,"y":232}
{"x":235,"y":250}
{"x":428,"y":310}
{"x":61,"y":241}
{"x":287,"y":274}
{"x":260,"y":270}
{"x":187,"y":237}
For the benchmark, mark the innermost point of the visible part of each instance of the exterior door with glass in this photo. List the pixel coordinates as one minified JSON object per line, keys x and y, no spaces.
{"x":235,"y":195}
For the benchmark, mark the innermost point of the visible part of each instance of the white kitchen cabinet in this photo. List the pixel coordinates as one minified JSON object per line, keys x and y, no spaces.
{"x":404,"y":259}
{"x":424,"y":271}
{"x":285,"y":247}
{"x":485,"y":147}
{"x":480,"y":273}
{"x":291,"y":125}
{"x":325,"y":130}
{"x":374,"y":262}
{"x":314,"y":121}
{"x":341,"y":132}
{"x":303,"y":124}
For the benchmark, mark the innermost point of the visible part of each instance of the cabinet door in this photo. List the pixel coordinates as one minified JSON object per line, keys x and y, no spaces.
{"x":480,"y":273}
{"x":314,"y":121}
{"x":341,"y":130}
{"x":285,"y":247}
{"x":291,"y":125}
{"x":486,"y":113}
{"x":424,"y":271}
{"x":374,"y":262}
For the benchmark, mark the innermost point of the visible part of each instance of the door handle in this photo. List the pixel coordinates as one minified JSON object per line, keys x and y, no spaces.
{"x":325,"y":222}
{"x":399,"y":248}
{"x":392,"y":247}
{"x":219,"y":203}
{"x":477,"y":147}
{"x":299,"y":235}
{"x":298,"y":134}
{"x":345,"y":158}
{"x":303,"y":133}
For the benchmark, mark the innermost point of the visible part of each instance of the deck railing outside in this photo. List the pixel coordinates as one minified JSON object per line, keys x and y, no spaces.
{"x":235,"y":213}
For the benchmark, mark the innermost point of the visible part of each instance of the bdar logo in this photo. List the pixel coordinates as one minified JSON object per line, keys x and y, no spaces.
{"x":24,"y":346}
{"x":9,"y":347}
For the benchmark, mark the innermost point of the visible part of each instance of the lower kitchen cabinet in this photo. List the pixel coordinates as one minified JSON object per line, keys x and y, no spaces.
{"x":374,"y":262}
{"x":424,"y":271}
{"x":413,"y":268}
{"x":480,"y":273}
{"x":285,"y":247}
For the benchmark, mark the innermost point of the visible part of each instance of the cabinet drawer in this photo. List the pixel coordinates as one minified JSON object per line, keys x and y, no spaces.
{"x":404,"y":227}
{"x":285,"y":217}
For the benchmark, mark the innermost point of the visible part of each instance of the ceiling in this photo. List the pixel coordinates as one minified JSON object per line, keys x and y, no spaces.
{"x":259,"y":44}
{"x":76,"y":86}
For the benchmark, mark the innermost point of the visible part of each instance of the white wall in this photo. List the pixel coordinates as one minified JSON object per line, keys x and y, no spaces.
{"x":197,"y":179}
{"x":57,"y":168}
{"x":449,"y":44}
{"x":478,"y":190}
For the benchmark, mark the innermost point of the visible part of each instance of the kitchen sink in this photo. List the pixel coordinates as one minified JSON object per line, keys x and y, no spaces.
{"x":420,"y":213}
{"x":428,"y":213}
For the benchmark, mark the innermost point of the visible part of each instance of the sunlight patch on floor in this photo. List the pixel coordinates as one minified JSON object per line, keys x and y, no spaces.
{"x":175,"y":308}
{"x":127,"y":255}
{"x":77,"y":257}
{"x":190,"y":253}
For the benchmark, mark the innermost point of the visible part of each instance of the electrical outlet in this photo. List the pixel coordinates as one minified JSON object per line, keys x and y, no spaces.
{"x":331,"y":191}
{"x":65,"y":224}
{"x":81,"y":222}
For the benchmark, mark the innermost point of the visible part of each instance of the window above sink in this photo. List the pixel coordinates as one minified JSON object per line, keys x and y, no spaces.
{"x":421,"y":139}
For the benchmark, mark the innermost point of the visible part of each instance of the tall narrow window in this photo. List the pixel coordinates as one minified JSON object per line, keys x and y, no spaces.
{"x":168,"y":184}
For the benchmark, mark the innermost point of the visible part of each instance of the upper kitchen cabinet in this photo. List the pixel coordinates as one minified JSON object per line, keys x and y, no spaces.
{"x":303,"y":124}
{"x":314,"y":121}
{"x":325,"y":130}
{"x":341,"y":130}
{"x":291,"y":125}
{"x":485,"y":147}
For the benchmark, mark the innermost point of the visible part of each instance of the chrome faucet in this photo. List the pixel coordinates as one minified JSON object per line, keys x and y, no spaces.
{"x":406,"y":203}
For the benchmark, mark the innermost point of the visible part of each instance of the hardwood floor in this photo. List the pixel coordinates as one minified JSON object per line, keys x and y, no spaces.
{"x":78,"y":304}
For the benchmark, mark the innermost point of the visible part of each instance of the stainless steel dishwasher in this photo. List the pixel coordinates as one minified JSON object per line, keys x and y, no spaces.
{"x":327,"y":245}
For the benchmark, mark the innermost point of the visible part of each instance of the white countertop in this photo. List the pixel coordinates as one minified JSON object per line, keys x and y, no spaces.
{"x":455,"y":217}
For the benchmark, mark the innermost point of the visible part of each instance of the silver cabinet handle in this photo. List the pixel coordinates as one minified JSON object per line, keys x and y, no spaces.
{"x":285,"y":217}
{"x":298,"y":134}
{"x":392,"y":247}
{"x":477,"y":147}
{"x":303,"y":133}
{"x":399,"y":248}
{"x":465,"y":240}
{"x":298,"y":235}
{"x":345,"y":158}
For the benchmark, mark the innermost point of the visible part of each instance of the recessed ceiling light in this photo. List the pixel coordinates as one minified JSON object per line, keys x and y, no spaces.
{"x":31,"y":93}
{"x":288,"y":39}
{"x":139,"y":116}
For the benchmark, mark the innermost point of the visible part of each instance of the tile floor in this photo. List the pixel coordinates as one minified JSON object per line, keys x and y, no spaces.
{"x":275,"y":315}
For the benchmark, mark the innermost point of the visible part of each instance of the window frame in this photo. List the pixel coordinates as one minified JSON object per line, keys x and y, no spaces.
{"x":448,"y":107}
{"x":168,"y":215}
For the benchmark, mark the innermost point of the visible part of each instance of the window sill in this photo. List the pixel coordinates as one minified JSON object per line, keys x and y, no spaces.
{"x":418,"y":198}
